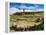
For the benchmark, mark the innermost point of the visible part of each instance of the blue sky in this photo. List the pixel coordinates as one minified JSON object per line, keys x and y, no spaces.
{"x":27,"y":6}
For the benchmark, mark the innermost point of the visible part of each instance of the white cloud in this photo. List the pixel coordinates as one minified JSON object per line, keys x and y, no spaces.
{"x":14,"y":10}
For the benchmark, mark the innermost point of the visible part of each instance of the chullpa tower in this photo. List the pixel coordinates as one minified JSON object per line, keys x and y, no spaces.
{"x":23,"y":11}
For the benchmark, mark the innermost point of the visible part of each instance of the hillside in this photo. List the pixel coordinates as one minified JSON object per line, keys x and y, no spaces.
{"x":24,"y":19}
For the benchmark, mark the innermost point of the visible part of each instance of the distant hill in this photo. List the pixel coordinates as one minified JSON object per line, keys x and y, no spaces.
{"x":19,"y":13}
